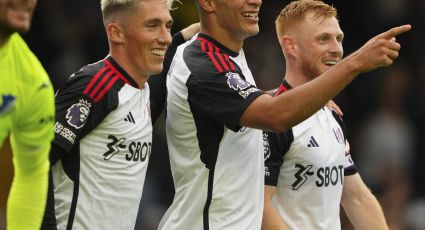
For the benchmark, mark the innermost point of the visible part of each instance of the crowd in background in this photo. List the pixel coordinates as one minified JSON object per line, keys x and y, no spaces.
{"x":384,"y":110}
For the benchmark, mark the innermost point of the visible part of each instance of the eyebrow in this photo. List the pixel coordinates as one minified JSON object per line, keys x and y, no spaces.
{"x":157,"y":20}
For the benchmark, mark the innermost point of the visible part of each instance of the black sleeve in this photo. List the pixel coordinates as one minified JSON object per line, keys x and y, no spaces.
{"x":157,"y":82}
{"x":77,"y":113}
{"x":279,"y":144}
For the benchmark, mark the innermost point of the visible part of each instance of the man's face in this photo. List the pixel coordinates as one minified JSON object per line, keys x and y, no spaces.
{"x":239,"y":17}
{"x":16,"y":15}
{"x":147,"y":36}
{"x":319,"y":42}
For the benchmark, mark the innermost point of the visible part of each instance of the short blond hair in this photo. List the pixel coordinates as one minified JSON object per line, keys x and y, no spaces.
{"x":110,"y":7}
{"x":296,"y":10}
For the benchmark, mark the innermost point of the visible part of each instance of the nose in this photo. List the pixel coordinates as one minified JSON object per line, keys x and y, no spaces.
{"x":165,"y":36}
{"x":336,"y":48}
{"x":256,"y":3}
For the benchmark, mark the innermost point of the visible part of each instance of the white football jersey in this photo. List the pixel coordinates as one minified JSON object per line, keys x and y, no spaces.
{"x":308,"y":164}
{"x":217,"y":165}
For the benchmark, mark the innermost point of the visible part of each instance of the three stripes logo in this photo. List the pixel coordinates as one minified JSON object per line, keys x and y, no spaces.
{"x":313,"y":143}
{"x":130,"y":118}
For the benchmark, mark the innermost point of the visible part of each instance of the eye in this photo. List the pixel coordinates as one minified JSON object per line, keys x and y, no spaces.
{"x":151,"y":25}
{"x":323,"y":39}
{"x":169,"y":25}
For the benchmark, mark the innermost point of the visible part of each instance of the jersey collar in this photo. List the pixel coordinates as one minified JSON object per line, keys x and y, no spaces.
{"x":218,"y":44}
{"x":127,"y":78}
{"x":284,"y":86}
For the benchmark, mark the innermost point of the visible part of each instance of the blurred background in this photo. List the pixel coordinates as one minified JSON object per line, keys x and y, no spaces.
{"x":384,"y":110}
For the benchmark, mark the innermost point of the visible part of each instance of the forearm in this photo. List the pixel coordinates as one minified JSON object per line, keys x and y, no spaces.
{"x":366,"y":214}
{"x":27,"y":198}
{"x":290,"y":108}
{"x":303,"y":101}
{"x":361,"y":206}
{"x":271,"y":219}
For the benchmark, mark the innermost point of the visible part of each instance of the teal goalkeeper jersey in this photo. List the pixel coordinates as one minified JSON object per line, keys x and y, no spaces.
{"x":27,"y":114}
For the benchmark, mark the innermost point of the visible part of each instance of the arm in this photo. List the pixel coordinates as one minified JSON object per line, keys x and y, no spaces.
{"x":271,"y":219}
{"x":27,"y":198}
{"x":360,"y":205}
{"x":30,"y":141}
{"x":288,"y":109}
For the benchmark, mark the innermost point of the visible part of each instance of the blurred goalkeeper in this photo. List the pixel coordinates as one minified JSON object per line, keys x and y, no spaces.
{"x":26,"y":114}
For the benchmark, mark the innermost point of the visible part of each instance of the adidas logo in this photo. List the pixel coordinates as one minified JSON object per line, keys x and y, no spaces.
{"x":313,"y":142}
{"x":130,"y":118}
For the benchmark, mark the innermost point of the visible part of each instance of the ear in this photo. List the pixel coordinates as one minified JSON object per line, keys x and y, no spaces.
{"x":115,"y":32}
{"x":288,"y":44}
{"x":207,"y":5}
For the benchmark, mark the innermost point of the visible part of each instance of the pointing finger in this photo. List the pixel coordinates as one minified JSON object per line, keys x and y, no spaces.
{"x":395,"y":31}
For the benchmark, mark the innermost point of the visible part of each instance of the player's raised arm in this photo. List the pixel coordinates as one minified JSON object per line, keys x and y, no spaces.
{"x":286,"y":110}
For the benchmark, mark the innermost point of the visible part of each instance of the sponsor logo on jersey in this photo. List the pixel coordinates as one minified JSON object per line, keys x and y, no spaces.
{"x":7,"y":104}
{"x":78,"y":113}
{"x":324,"y":176}
{"x":301,"y":176}
{"x":266,"y":145}
{"x":236,"y":82}
{"x":114,"y":147}
{"x":135,"y":150}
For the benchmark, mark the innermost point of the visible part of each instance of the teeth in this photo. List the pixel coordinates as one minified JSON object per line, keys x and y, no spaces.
{"x":250,"y":14}
{"x":330,"y":62}
{"x":158,"y":52}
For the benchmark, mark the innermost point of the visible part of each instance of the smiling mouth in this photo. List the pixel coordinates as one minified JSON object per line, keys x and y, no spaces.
{"x":330,"y":63}
{"x":250,"y":15}
{"x":158,"y":52}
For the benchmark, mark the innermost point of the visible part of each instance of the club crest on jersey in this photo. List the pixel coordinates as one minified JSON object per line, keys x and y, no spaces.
{"x":6,"y":104}
{"x":236,"y":82}
{"x":78,"y":113}
{"x":338,"y":135}
{"x":266,"y":145}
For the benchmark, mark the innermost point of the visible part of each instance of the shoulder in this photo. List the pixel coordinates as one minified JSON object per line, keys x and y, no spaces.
{"x":95,"y":81}
{"x":205,"y":59}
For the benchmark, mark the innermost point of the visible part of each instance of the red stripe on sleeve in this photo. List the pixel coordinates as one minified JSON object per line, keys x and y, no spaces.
{"x":94,"y":79}
{"x":100,"y":84}
{"x":117,"y":72}
{"x":222,"y":61}
{"x":105,"y":90}
{"x":210,"y":54}
{"x":229,"y":61}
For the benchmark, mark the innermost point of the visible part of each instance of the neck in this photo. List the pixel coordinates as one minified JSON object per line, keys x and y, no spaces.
{"x":294,"y":76}
{"x":4,"y":37}
{"x":223,"y":36}
{"x":126,"y":63}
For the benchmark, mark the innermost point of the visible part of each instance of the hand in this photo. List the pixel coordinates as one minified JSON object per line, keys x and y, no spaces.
{"x":190,"y":31}
{"x":379,"y":51}
{"x":333,"y":106}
